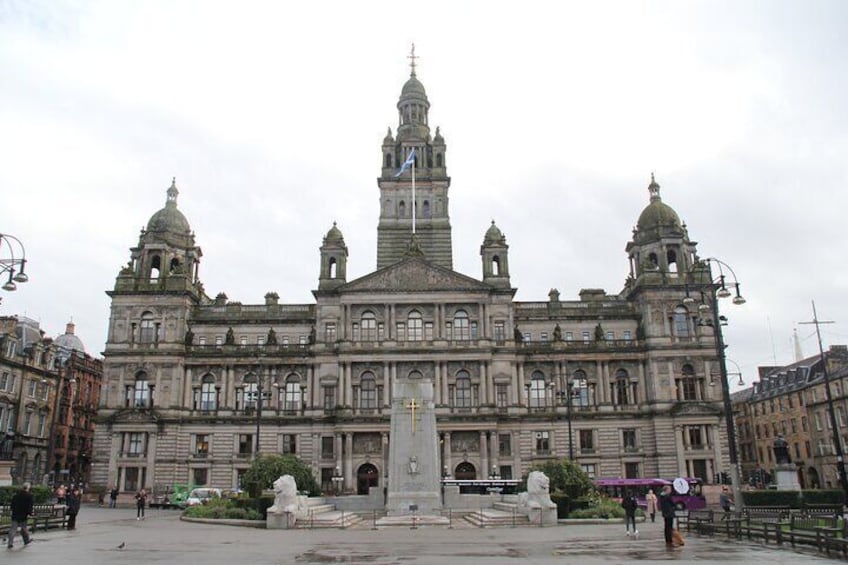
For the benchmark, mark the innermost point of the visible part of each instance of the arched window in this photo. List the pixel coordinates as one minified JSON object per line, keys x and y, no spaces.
{"x":463,"y":390}
{"x":367,"y":391}
{"x":438,"y":159}
{"x":402,"y":209}
{"x":368,"y":324}
{"x":415,"y":326}
{"x":580,"y":389}
{"x":496,"y":266}
{"x":141,"y":391}
{"x":461,"y":326}
{"x":388,"y":160}
{"x":681,"y":321}
{"x":155,"y":268}
{"x":331,"y":268}
{"x":208,"y":394}
{"x":671,"y":257}
{"x":294,"y":395}
{"x":175,"y":265}
{"x":622,"y":388}
{"x":654,"y":262}
{"x":537,"y":389}
{"x":425,"y":209}
{"x":147,"y":328}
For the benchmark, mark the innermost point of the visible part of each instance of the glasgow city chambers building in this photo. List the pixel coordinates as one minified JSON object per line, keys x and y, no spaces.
{"x":195,"y":386}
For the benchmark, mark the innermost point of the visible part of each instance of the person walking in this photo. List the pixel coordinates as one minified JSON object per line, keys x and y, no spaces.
{"x":651,"y":504}
{"x":140,"y":503}
{"x":73,"y":500}
{"x":21,"y":510}
{"x":629,"y":505}
{"x":113,"y":497}
{"x":726,"y":502}
{"x":667,"y":511}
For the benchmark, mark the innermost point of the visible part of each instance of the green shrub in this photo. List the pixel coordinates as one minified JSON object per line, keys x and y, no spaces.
{"x":222,"y":509}
{"x":260,"y":506}
{"x":41,"y":494}
{"x":832,"y":496}
{"x":791,"y":498}
{"x":266,"y":469}
{"x":601,"y":508}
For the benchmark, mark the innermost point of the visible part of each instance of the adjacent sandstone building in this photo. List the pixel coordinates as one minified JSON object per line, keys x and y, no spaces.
{"x":195,"y":386}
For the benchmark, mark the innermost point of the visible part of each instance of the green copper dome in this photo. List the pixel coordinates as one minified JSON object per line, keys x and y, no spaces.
{"x":657,"y":215}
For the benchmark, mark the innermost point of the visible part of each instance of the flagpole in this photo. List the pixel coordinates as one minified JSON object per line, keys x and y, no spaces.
{"x":413,"y":193}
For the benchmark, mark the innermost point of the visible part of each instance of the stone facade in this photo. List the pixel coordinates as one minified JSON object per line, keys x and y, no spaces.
{"x":190,"y":379}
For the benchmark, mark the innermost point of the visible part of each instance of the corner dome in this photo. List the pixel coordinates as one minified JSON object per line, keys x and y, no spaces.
{"x":169,"y":218}
{"x":493,"y":235}
{"x":413,"y":89}
{"x":69,"y":342}
{"x":335,"y":234}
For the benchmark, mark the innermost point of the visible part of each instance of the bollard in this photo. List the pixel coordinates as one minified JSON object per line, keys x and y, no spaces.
{"x":450,"y":519}
{"x":513,"y":516}
{"x":374,"y":520}
{"x":481,"y":517}
{"x":343,"y":522}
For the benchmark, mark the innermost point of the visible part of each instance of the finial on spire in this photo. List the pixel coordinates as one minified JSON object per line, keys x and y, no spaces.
{"x":412,"y":58}
{"x":654,"y":188}
{"x":172,"y":191}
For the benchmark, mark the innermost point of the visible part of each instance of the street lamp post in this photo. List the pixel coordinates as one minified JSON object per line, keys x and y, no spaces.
{"x":565,"y":397}
{"x":718,"y":289}
{"x":12,"y":261}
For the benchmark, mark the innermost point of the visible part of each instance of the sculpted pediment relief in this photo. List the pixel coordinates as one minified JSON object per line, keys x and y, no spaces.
{"x":135,"y":416}
{"x":414,"y":275}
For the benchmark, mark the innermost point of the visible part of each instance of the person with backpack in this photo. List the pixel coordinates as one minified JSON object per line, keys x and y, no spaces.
{"x":629,"y":505}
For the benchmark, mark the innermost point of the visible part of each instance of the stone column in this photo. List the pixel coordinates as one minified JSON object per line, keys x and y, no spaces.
{"x":681,"y":456}
{"x":515,"y":442}
{"x":448,"y":459}
{"x":484,"y":456}
{"x":151,"y":460}
{"x":493,"y":450}
{"x":484,"y":390}
{"x":337,"y":448}
{"x":114,"y":448}
{"x":348,"y":461}
{"x":387,"y":397}
{"x":522,"y":395}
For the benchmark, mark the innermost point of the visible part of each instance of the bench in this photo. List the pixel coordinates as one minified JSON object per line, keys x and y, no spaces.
{"x":805,"y":529}
{"x":822,"y":510}
{"x":48,"y":516}
{"x":698,"y":518}
{"x":835,"y":538}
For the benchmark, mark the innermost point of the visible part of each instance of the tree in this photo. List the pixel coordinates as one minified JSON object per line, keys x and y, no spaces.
{"x":266,"y":469}
{"x":567,"y":478}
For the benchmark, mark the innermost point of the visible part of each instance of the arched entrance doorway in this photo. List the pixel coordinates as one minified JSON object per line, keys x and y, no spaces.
{"x":465,"y":471}
{"x":366,"y":477}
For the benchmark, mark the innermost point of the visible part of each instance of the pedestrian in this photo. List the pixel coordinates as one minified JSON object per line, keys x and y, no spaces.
{"x":726,"y":502}
{"x":73,"y":500}
{"x":21,"y":510}
{"x":113,"y":497}
{"x":651,"y":504}
{"x":667,"y":511}
{"x":629,"y":505}
{"x":140,"y":502}
{"x":60,"y":494}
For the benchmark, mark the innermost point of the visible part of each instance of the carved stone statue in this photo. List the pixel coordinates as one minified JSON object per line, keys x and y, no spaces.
{"x":517,"y":335}
{"x":537,"y":498}
{"x":413,"y":465}
{"x":557,"y":333}
{"x":287,"y":501}
{"x":230,"y":339}
{"x":189,"y":337}
{"x":7,"y":446}
{"x":272,"y":337}
{"x":781,"y":450}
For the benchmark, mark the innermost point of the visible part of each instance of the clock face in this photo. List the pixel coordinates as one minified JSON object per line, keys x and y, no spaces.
{"x":681,"y":485}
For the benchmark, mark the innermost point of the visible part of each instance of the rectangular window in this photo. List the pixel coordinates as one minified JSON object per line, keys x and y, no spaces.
{"x":201,"y":445}
{"x":330,"y":332}
{"x":586,"y":337}
{"x":285,"y":341}
{"x":502,"y":395}
{"x":527,"y":336}
{"x":569,"y":336}
{"x":202,"y":340}
{"x":506,"y":472}
{"x":32,"y":385}
{"x":500,"y":332}
{"x":133,"y":478}
{"x":695,"y":438}
{"x":543,"y":443}
{"x":219,"y":340}
{"x":260,"y":340}
{"x":628,"y":438}
{"x":587,"y":441}
{"x":289,"y":444}
{"x":42,"y":420}
{"x":803,"y":423}
{"x":428,"y":331}
{"x":840,"y":416}
{"x":543,"y":337}
{"x":200,"y":476}
{"x":245,"y":444}
{"x":301,"y":340}
{"x":626,"y":335}
{"x":6,"y":382}
{"x":400,"y":331}
{"x":135,"y":444}
{"x":329,"y":398}
{"x":589,"y":469}
{"x":631,"y":470}
{"x":327,"y":447}
{"x":505,"y":445}
{"x":243,"y":340}
{"x":817,"y":420}
{"x":610,"y":336}
{"x":27,"y":422}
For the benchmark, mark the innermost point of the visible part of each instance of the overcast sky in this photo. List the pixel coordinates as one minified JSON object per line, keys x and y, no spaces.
{"x":271,"y":115}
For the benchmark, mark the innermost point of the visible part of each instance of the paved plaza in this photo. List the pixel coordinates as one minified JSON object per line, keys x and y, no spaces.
{"x":163,"y":538}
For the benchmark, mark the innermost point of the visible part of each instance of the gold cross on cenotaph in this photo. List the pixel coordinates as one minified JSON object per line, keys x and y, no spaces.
{"x":412,"y":405}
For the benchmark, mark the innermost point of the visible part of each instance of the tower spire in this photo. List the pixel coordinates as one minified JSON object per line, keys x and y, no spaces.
{"x":412,"y":56}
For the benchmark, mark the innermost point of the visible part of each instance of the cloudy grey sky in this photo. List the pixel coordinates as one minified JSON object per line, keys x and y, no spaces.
{"x":271,"y":117}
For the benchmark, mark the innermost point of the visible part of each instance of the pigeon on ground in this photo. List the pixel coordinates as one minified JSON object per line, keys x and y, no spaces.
{"x":122,"y":545}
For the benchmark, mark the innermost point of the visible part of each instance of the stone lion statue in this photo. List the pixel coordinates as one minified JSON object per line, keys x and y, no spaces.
{"x":538,"y":492}
{"x":285,"y":495}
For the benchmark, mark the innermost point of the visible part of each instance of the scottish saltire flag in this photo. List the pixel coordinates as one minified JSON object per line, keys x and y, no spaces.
{"x":406,"y":164}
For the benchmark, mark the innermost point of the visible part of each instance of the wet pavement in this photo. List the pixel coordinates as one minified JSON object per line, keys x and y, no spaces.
{"x":163,"y":538}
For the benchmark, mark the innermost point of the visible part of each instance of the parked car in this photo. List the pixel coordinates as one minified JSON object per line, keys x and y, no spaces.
{"x":202,"y":495}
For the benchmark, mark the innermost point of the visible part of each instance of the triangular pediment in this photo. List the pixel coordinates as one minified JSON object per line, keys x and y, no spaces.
{"x":414,"y":275}
{"x":695,"y":409}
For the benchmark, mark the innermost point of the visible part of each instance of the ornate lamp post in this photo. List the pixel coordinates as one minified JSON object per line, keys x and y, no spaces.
{"x":12,"y":261}
{"x":565,"y":397}
{"x":708,"y":315}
